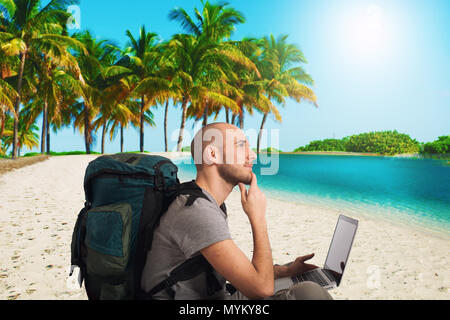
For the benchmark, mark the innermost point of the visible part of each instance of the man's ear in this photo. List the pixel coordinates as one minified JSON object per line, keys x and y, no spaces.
{"x":211,"y":155}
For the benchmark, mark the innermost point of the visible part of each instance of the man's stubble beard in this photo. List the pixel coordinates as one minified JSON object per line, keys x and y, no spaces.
{"x":228,"y":173}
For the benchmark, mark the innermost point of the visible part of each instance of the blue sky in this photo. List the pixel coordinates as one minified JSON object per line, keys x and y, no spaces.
{"x":377,"y":65}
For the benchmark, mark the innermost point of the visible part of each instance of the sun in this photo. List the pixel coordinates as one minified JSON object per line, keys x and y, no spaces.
{"x":366,"y":33}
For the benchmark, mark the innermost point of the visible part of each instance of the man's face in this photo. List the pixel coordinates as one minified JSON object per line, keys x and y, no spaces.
{"x":237,"y":158}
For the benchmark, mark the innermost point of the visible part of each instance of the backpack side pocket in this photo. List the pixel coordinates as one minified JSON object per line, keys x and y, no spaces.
{"x":108,"y":231}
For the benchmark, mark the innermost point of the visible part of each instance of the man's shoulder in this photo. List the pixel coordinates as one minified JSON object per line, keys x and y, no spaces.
{"x":180,"y":203}
{"x":178,"y":212}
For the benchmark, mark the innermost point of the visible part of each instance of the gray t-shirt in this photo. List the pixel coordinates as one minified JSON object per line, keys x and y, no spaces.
{"x":182,"y":233}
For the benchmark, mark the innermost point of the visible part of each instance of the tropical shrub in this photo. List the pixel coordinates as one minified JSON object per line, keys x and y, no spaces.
{"x":270,"y":149}
{"x":381,"y":142}
{"x":324,"y":145}
{"x":441,"y":145}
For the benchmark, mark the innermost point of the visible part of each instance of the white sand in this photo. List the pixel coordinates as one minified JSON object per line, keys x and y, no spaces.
{"x":39,"y":205}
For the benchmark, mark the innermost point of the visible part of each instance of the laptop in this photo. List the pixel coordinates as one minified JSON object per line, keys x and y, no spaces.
{"x":330,"y":276}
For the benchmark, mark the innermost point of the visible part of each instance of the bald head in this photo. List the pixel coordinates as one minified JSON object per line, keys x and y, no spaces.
{"x":221,"y":152}
{"x":214,"y":135}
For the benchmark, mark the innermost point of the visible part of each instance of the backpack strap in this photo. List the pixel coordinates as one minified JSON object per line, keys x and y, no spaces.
{"x":78,"y":248}
{"x":187,"y":188}
{"x":193,"y":190}
{"x":189,"y":270}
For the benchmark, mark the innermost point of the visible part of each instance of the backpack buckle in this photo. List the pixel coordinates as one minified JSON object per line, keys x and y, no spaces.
{"x":159,"y":181}
{"x":170,"y":282}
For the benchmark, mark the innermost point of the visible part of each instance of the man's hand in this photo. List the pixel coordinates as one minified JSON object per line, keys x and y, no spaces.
{"x":299,"y":266}
{"x":255,"y":278}
{"x":253,"y":201}
{"x":295,"y":268}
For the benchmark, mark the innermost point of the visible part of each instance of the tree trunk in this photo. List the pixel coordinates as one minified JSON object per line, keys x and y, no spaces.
{"x":183,"y":122}
{"x":241,"y":116}
{"x":103,"y":138}
{"x":23,"y":57}
{"x":2,"y":129}
{"x":2,"y":126}
{"x":205,"y":115}
{"x":141,"y":126}
{"x":121,"y":138}
{"x":87,"y":129}
{"x":48,"y":135}
{"x":233,"y":118}
{"x":260,"y":132}
{"x":165,"y":126}
{"x":227,"y":115}
{"x":44,"y":127}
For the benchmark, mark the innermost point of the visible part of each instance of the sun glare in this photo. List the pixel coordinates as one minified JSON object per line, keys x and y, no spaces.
{"x":367,"y":33}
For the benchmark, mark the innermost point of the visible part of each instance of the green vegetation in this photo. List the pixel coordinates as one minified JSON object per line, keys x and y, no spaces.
{"x":80,"y":81}
{"x":9,"y":165}
{"x":439,"y":146}
{"x":268,"y":150}
{"x":324,"y":145}
{"x":68,"y":153}
{"x":381,"y":142}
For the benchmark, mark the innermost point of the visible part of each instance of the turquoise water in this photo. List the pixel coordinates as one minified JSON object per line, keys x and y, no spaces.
{"x":413,"y":191}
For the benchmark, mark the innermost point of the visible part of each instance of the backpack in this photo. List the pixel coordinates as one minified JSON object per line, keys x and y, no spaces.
{"x":126,"y":195}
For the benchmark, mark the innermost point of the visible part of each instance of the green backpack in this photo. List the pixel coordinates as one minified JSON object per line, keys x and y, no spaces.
{"x":126,"y":195}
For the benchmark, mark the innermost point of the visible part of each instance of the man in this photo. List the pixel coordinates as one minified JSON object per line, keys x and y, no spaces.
{"x":223,"y":158}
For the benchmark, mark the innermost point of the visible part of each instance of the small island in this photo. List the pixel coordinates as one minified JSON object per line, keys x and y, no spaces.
{"x":380,"y":143}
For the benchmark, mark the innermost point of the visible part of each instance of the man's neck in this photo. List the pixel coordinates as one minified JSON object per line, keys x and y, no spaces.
{"x":217,"y":188}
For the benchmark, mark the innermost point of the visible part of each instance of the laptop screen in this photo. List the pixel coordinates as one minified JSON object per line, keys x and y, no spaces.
{"x":340,"y":246}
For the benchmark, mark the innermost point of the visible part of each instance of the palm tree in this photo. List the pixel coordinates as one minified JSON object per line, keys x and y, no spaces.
{"x":170,"y":72}
{"x":99,"y":71}
{"x":57,"y":82}
{"x":215,"y":23}
{"x":8,"y":94}
{"x":27,"y":131}
{"x":248,"y":83}
{"x":206,"y":60}
{"x":146,"y":53}
{"x":7,"y":98}
{"x":31,"y":25}
{"x":122,"y":115}
{"x":117,"y":106}
{"x":283,"y":77}
{"x":197,"y":63}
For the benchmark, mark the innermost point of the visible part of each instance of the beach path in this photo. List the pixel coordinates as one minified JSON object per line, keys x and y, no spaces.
{"x":38,"y":209}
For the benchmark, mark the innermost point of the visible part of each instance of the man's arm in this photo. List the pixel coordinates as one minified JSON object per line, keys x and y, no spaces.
{"x":255,"y":279}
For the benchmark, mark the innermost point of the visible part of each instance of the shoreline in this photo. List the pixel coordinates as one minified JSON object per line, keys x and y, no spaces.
{"x":424,"y":225}
{"x":345,"y":153}
{"x":39,"y":205}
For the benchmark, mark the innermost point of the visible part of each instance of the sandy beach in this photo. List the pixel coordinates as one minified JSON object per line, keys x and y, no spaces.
{"x":39,"y":205}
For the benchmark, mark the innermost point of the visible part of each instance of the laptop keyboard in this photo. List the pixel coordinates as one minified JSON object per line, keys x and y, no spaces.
{"x":313,"y":276}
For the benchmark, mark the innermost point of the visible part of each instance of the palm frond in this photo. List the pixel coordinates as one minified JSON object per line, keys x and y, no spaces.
{"x":180,"y":15}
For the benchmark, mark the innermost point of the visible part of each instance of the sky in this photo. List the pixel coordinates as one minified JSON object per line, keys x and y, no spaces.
{"x":377,"y":65}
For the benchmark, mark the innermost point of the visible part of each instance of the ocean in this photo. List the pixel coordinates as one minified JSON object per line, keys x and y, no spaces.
{"x":411,"y":191}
